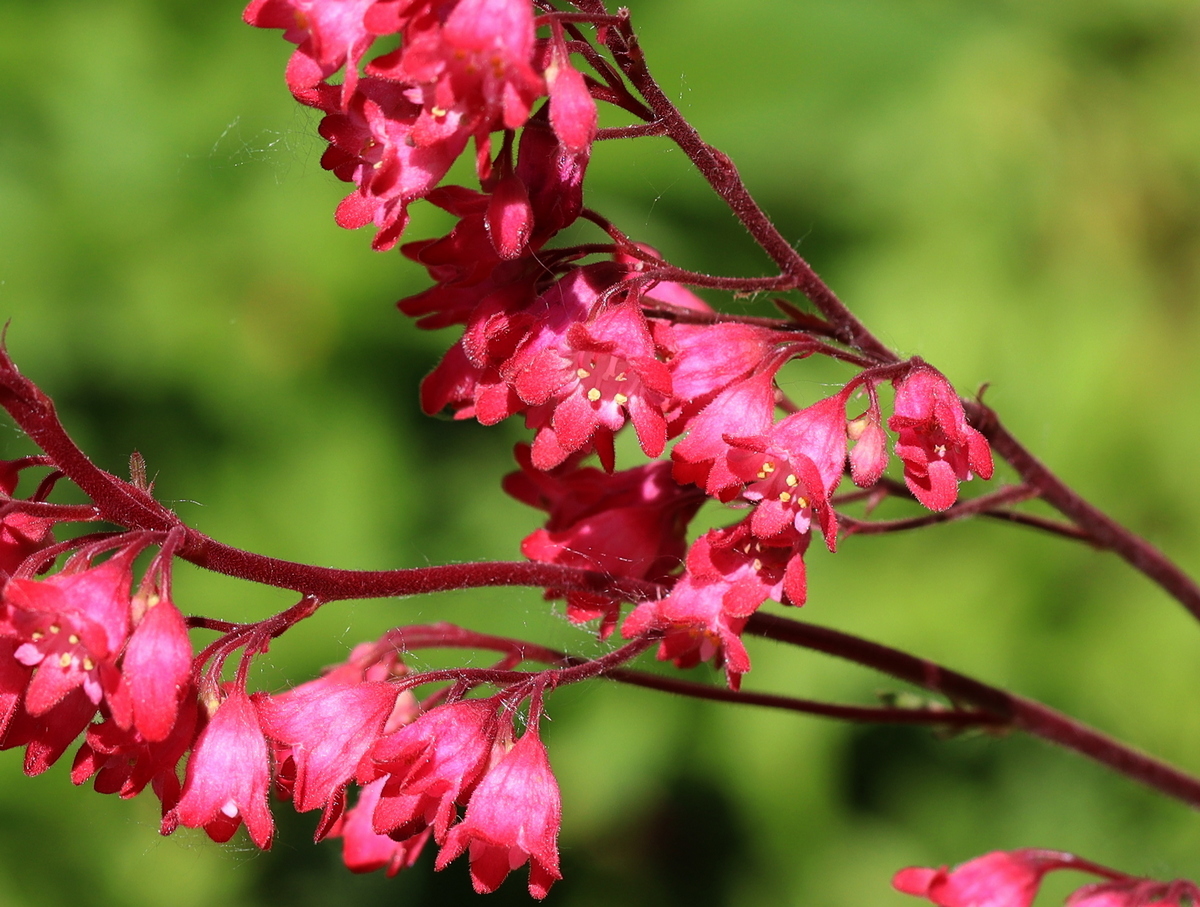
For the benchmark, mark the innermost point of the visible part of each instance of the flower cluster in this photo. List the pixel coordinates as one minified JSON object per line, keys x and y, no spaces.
{"x":82,"y":654}
{"x":582,"y":340}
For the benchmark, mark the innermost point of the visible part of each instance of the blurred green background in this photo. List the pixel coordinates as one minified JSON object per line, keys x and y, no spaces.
{"x":1009,"y":189}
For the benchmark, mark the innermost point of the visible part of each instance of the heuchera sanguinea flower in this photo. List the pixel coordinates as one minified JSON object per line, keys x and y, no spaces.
{"x":792,"y":470}
{"x":997,"y":879}
{"x":1012,"y":879}
{"x":513,"y":816}
{"x":325,"y":727}
{"x":156,"y":667}
{"x":72,"y":627}
{"x":628,"y":523}
{"x":729,"y":574}
{"x":432,"y":765}
{"x":364,"y":849}
{"x":228,"y":776}
{"x":938,"y":447}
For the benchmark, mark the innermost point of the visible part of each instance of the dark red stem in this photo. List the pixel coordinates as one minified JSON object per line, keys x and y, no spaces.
{"x":1019,"y":712}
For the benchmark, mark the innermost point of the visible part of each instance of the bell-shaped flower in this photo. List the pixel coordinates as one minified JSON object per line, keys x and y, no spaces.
{"x":432,"y":765}
{"x":997,"y":879}
{"x":364,"y":849}
{"x":868,"y":458}
{"x":513,"y":816}
{"x":792,"y":470}
{"x":326,"y":727}
{"x":72,"y":627}
{"x":729,"y":574}
{"x":743,"y":409}
{"x":228,"y":776}
{"x":156,"y":667}
{"x":938,"y":447}
{"x":628,"y":523}
{"x":123,"y":761}
{"x":573,"y":113}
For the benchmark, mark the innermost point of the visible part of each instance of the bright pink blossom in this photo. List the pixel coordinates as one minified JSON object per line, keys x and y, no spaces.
{"x":792,"y":470}
{"x":123,"y":761}
{"x":997,"y":879}
{"x":729,"y":574}
{"x":628,"y":523}
{"x":938,"y":447}
{"x":156,"y":668}
{"x":325,"y":727}
{"x":72,"y":627}
{"x":513,"y":816}
{"x":228,"y":776}
{"x":365,"y":850}
{"x":433,"y":764}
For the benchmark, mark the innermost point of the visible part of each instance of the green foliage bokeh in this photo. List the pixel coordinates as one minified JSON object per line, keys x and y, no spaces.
{"x":1010,"y":189}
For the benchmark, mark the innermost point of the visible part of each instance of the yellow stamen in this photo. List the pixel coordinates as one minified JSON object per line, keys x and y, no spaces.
{"x":593,"y":394}
{"x":581,"y":373}
{"x":621,"y":399}
{"x":64,"y":660}
{"x":785,"y":496}
{"x":791,"y":480}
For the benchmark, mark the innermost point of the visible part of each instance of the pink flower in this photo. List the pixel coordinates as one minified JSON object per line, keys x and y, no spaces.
{"x":729,"y":574}
{"x":72,"y":627}
{"x":792,"y":470}
{"x":326,"y":727}
{"x":513,"y":816}
{"x":433,"y":764}
{"x":591,"y":370}
{"x":572,"y":110}
{"x":123,"y":762}
{"x":938,"y":447}
{"x":997,"y":879}
{"x":228,"y":776}
{"x":363,"y":849}
{"x":156,"y":668}
{"x":329,"y":34}
{"x":628,"y":523}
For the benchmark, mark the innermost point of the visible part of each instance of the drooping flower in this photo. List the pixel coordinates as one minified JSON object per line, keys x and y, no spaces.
{"x":432,"y":765}
{"x":364,"y":849}
{"x":228,"y":776}
{"x":997,"y":879}
{"x":325,"y":727}
{"x":938,"y":447}
{"x":72,"y":627}
{"x":729,"y":574}
{"x":123,"y":762}
{"x":156,"y":667}
{"x":513,"y":816}
{"x":792,"y":470}
{"x":628,"y":523}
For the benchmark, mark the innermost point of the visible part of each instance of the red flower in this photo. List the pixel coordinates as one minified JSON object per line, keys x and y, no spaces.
{"x":72,"y":627}
{"x":938,"y":447}
{"x":997,"y":879}
{"x":156,"y":668}
{"x":326,"y":727}
{"x":228,"y":776}
{"x":363,"y":849}
{"x":628,"y":523}
{"x":791,"y":470}
{"x":433,"y":764}
{"x":513,"y":816}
